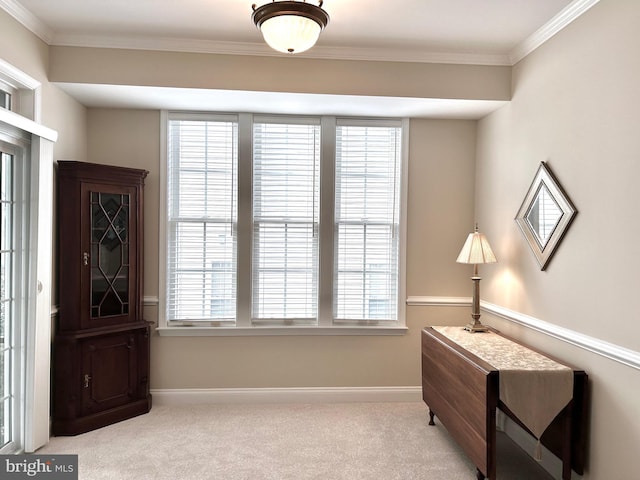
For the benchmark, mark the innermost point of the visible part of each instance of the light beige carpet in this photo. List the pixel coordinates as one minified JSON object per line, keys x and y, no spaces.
{"x":348,"y":441}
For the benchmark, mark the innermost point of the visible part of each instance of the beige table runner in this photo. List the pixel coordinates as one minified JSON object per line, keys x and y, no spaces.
{"x":534,"y":387}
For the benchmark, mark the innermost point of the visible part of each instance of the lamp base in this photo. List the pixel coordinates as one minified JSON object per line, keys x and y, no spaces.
{"x":476,"y":327}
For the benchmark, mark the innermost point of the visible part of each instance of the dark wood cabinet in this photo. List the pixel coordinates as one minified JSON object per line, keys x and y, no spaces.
{"x":101,"y":346}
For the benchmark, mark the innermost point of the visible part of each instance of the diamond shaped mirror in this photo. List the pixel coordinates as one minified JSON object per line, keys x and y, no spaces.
{"x":545,"y":215}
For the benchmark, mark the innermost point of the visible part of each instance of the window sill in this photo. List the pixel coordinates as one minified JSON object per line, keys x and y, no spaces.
{"x":279,"y":331}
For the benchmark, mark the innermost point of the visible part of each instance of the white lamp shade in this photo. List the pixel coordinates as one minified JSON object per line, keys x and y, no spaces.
{"x":476,"y":250}
{"x":290,"y":33}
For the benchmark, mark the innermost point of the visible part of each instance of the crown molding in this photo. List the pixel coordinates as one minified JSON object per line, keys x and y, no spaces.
{"x":560,"y":21}
{"x":261,"y":49}
{"x":409,"y":56}
{"x":169,"y":44}
{"x":28,"y":19}
{"x":570,"y":13}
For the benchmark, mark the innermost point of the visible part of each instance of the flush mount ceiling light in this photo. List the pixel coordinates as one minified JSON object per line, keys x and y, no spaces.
{"x":289,"y":26}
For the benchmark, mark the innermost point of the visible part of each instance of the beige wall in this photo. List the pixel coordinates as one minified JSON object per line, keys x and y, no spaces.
{"x":279,"y":74}
{"x":441,"y":177}
{"x":25,"y":51}
{"x":440,"y":216}
{"x":575,"y":106}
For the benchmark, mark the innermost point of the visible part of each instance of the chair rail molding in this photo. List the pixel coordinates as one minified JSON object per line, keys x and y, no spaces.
{"x":626,"y":356}
{"x":432,"y":301}
{"x":150,"y":301}
{"x":612,"y":351}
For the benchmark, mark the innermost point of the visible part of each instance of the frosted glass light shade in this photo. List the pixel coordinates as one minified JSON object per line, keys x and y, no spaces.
{"x":290,"y":26}
{"x":290,"y":33}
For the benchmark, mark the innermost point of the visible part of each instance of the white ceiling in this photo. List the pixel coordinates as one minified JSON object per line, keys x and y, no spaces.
{"x":494,"y":32}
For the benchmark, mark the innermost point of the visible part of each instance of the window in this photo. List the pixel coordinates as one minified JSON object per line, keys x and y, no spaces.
{"x":13,"y":248}
{"x":9,"y":294}
{"x":5,"y":98}
{"x":19,"y":92}
{"x":367,"y":221}
{"x":201,"y":225}
{"x":286,"y":194}
{"x":282,"y":224}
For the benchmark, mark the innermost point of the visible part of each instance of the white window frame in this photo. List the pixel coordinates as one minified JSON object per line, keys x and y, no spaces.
{"x":21,"y":127}
{"x":24,"y":90}
{"x":325,"y":324}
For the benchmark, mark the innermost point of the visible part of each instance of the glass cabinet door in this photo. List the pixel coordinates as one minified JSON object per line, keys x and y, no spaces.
{"x":109,"y":254}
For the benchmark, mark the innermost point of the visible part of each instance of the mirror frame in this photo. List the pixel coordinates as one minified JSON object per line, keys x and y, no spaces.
{"x":545,"y":178}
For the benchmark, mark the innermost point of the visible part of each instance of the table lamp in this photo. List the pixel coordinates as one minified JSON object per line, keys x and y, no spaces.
{"x":476,"y":250}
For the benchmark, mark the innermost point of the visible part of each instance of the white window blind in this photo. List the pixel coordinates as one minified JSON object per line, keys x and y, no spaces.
{"x":367,"y":212}
{"x":279,"y":222}
{"x":286,"y":161}
{"x":201,"y":223}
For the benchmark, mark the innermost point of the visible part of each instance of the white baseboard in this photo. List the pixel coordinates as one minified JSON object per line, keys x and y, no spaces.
{"x":194,"y":396}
